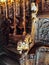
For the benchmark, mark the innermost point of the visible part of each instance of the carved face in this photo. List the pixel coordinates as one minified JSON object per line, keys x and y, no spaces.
{"x":34,"y":8}
{"x":22,"y":46}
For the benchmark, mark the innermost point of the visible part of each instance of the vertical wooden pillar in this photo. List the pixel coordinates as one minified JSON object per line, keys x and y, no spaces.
{"x":43,"y":5}
{"x":24,"y":18}
{"x":14,"y":6}
{"x":6,"y":4}
{"x":0,"y":7}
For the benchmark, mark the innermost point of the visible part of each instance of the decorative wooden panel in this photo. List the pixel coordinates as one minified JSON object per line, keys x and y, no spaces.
{"x":45,"y":5}
{"x":42,"y":30}
{"x":42,"y":56}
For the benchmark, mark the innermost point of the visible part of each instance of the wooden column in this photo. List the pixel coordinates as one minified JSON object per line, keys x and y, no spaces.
{"x":6,"y":4}
{"x":24,"y":18}
{"x":14,"y":6}
{"x":0,"y":7}
{"x":43,"y":5}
